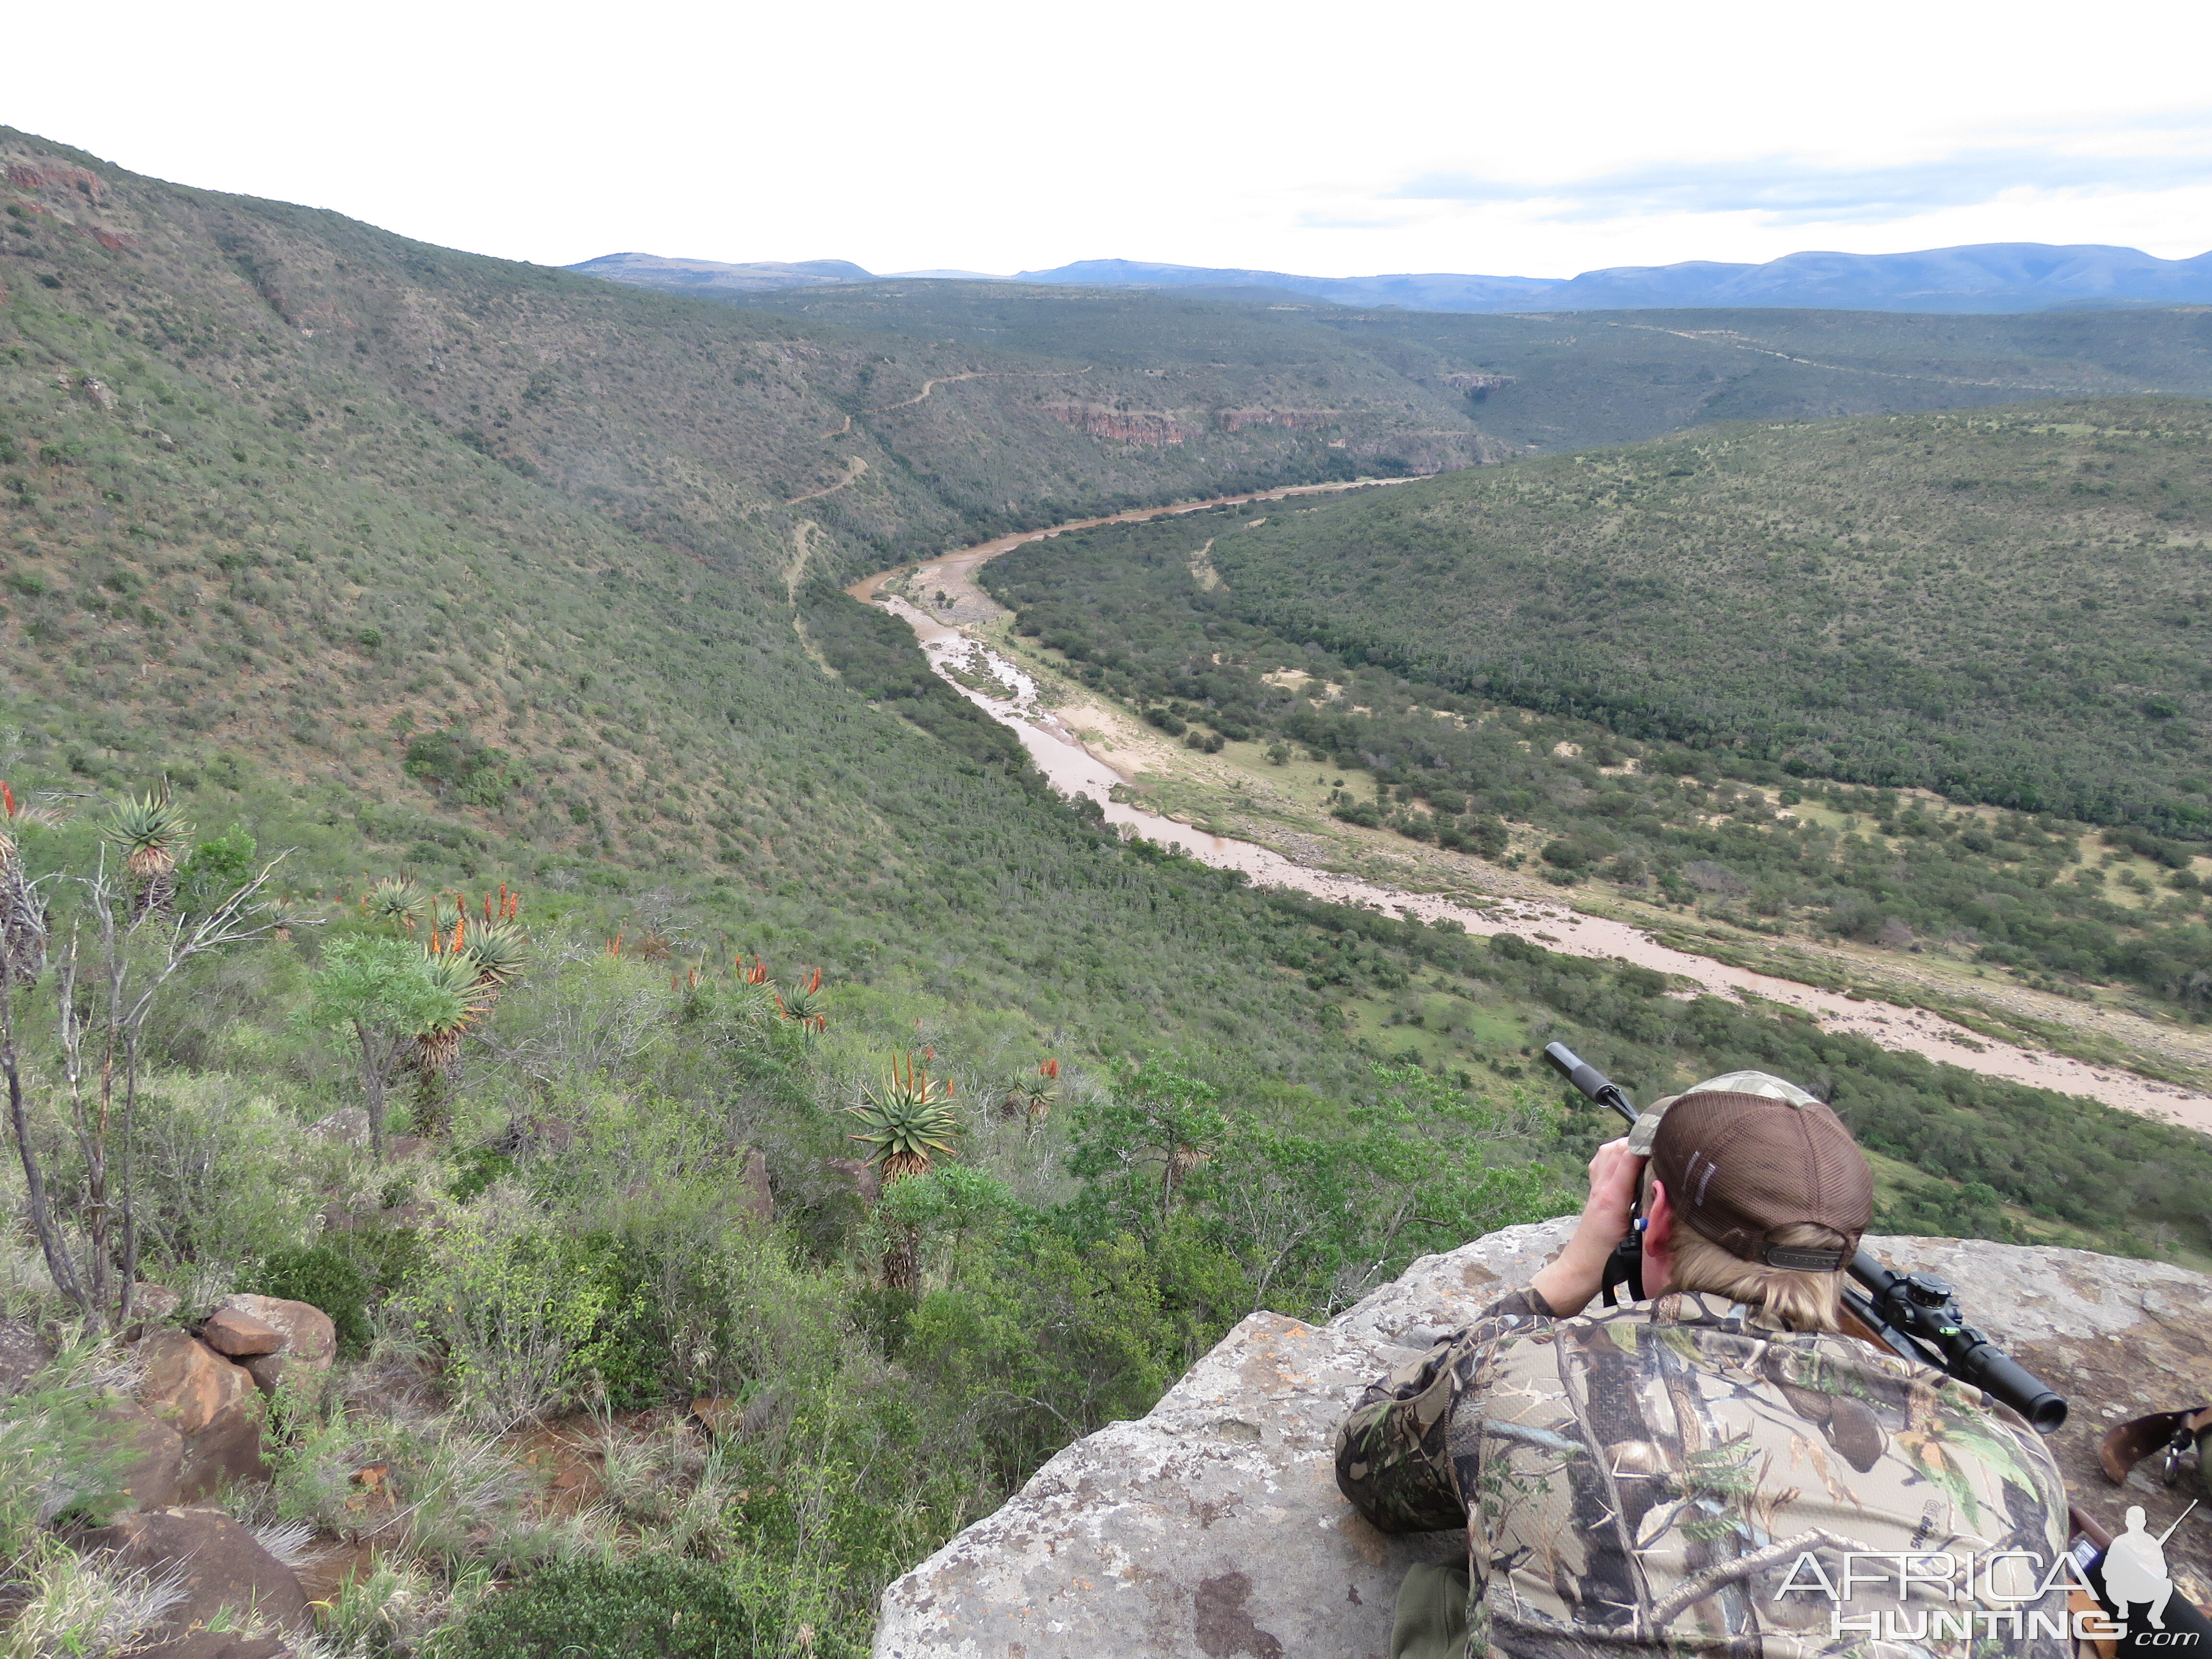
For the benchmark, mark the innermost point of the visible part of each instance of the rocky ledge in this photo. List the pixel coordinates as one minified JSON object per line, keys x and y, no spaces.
{"x":1213,"y":1525}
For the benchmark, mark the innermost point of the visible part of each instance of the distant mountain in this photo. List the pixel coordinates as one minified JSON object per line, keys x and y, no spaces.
{"x":1441,"y":292}
{"x":712,"y":278}
{"x":1988,"y":276}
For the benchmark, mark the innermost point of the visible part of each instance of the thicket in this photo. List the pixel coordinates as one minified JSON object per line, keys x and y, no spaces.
{"x":580,"y":1230}
{"x":1541,"y":384}
{"x":1546,"y":385}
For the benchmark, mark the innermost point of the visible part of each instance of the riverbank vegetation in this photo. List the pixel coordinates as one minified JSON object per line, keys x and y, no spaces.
{"x":1726,"y":812}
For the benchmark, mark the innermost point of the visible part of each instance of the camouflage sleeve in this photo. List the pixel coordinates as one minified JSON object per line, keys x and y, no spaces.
{"x":1392,"y":1459}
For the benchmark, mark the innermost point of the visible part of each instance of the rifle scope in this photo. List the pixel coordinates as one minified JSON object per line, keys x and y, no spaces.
{"x":1915,"y":1315}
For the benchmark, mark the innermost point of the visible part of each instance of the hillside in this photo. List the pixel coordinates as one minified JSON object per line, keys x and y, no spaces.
{"x":1545,"y":384}
{"x":697,"y":421}
{"x":2006,"y":606}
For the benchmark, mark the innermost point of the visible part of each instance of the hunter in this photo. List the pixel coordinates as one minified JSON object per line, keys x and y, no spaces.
{"x":1714,"y":1469}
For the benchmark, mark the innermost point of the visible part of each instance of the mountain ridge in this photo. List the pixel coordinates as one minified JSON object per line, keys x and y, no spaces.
{"x":1975,"y":277}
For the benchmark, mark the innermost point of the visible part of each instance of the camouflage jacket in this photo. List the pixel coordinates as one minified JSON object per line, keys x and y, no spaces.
{"x":1662,"y":1479}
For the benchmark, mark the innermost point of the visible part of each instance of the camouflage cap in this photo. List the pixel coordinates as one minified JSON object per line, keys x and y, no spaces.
{"x":1739,"y":1165}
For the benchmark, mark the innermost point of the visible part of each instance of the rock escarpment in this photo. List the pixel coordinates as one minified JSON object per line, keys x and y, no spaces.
{"x":1212,"y":1525}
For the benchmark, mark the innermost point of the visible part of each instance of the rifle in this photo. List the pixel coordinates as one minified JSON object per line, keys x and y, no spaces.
{"x":1914,"y":1316}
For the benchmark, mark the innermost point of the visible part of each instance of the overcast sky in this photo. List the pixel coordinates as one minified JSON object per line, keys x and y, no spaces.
{"x":992,"y":137}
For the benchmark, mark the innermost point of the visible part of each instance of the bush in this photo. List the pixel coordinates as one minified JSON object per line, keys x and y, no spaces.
{"x":320,"y":1277}
{"x":453,"y":761}
{"x":666,"y":1608}
{"x":216,"y":870}
{"x":531,"y":1320}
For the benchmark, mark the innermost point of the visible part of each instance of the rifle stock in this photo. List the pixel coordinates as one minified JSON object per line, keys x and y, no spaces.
{"x":1914,"y":1316}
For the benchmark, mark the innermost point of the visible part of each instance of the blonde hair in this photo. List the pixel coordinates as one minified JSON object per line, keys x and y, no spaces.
{"x":1779,"y":1298}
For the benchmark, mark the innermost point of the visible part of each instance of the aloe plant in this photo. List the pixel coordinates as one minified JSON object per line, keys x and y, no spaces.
{"x":395,"y":902}
{"x":905,"y":1120}
{"x":499,"y":952}
{"x":149,"y":829}
{"x":802,"y":1003}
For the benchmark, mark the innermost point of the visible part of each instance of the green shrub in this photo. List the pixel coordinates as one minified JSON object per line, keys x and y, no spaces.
{"x":530,"y":1319}
{"x":323,"y":1278}
{"x":666,"y":1608}
{"x":216,"y":869}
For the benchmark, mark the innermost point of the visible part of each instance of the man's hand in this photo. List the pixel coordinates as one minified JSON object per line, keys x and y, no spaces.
{"x":1575,"y":1275}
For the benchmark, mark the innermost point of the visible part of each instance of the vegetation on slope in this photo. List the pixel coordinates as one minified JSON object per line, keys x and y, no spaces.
{"x":1140,"y":613}
{"x":1543,"y":384}
{"x":2007,"y":607}
{"x":712,"y":429}
{"x":460,"y":573}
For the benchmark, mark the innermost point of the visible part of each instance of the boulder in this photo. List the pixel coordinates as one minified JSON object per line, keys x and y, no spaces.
{"x":153,"y":1452}
{"x":23,"y":1354}
{"x":187,"y":1383}
{"x":238,"y":1335}
{"x":348,"y":1127}
{"x":227,"y":1578}
{"x":1212,"y":1525}
{"x":150,"y":1305}
{"x":306,"y":1341}
{"x":211,"y":1403}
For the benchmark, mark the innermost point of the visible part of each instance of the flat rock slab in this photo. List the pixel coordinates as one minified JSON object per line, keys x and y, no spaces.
{"x":1213,"y":1527}
{"x":238,"y":1335}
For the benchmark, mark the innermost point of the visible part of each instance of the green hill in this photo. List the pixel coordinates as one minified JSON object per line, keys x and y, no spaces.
{"x":1575,"y":380}
{"x":2007,"y":606}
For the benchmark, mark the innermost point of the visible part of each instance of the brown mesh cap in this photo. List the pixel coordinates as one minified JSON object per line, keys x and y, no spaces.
{"x":1738,"y":1166}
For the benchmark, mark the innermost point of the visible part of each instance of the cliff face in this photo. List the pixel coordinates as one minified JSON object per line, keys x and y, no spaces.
{"x":1213,"y":1525}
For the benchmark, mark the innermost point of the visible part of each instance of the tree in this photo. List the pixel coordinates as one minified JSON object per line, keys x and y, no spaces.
{"x":386,"y":992}
{"x":1159,"y":1111}
{"x":105,"y":979}
{"x":22,"y":910}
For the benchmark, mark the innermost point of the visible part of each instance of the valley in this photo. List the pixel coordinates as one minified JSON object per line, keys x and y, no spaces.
{"x":704,"y":1042}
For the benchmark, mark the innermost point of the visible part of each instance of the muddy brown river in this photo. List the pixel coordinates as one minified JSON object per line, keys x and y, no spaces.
{"x":961,"y":659}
